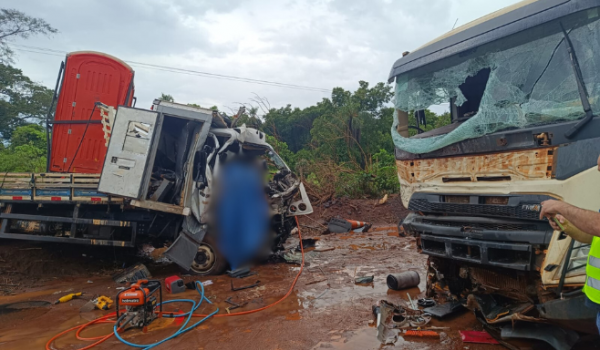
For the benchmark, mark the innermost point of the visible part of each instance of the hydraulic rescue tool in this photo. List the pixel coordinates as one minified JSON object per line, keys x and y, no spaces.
{"x":139,"y":302}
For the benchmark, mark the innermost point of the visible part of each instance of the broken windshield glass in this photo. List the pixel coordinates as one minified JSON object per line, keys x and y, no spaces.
{"x":529,"y":84}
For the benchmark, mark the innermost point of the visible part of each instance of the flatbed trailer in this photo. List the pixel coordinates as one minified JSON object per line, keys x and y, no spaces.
{"x":36,"y":203}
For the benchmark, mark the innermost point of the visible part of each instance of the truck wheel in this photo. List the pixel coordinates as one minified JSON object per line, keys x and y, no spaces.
{"x":208,"y":260}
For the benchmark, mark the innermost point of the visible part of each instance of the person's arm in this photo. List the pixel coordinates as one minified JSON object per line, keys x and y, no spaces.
{"x":570,"y":229}
{"x":585,"y":220}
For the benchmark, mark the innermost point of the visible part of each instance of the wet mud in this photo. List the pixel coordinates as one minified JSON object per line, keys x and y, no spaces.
{"x":326,"y":309}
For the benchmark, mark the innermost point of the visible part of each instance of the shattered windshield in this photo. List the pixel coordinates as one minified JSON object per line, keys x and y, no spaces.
{"x":521,"y":83}
{"x":276,"y":159}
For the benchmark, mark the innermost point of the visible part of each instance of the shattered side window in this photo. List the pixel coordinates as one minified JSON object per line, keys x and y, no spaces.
{"x":529,"y":84}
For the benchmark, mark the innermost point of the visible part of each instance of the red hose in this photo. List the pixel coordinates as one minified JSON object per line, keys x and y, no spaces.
{"x":104,"y":319}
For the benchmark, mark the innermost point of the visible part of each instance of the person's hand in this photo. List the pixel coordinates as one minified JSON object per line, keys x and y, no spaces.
{"x":550,"y":208}
{"x":560,"y":219}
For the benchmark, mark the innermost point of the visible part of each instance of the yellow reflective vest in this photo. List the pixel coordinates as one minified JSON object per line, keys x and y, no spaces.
{"x":592,"y":270}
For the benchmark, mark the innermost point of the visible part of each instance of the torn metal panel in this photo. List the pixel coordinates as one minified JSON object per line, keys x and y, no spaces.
{"x":570,"y":312}
{"x":558,"y":338}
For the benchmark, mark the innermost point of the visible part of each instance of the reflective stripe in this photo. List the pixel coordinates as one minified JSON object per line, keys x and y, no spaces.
{"x":594,"y":283}
{"x":595,"y":262}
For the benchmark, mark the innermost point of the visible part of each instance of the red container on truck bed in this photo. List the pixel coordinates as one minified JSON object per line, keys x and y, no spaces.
{"x":78,"y":143}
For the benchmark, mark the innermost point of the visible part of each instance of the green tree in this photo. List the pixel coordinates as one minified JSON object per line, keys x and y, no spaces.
{"x":16,"y":24}
{"x":168,"y":98}
{"x":21,"y":100}
{"x":26,"y":151}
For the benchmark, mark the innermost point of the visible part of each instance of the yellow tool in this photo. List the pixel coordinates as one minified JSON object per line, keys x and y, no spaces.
{"x":102,"y":302}
{"x":68,"y":297}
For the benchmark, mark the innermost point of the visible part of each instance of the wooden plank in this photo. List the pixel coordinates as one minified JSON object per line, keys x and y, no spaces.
{"x":164,"y":207}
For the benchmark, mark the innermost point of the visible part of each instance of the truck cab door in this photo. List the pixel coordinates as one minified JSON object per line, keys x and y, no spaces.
{"x":130,"y":150}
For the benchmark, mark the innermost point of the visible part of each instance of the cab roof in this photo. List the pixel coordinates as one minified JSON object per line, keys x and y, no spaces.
{"x":497,"y":25}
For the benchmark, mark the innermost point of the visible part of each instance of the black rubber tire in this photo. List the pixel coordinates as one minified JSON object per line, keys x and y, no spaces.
{"x":218,"y":267}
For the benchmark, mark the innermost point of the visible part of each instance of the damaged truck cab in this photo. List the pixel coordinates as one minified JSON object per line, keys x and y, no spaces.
{"x":167,"y":160}
{"x":523,"y":89}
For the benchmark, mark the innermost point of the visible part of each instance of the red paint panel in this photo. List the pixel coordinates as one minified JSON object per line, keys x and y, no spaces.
{"x":102,"y":78}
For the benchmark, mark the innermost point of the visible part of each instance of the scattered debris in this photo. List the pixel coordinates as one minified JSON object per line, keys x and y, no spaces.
{"x":391,"y":317}
{"x":443,"y":310}
{"x":382,"y":201}
{"x":403,"y":280}
{"x":338,"y":225}
{"x":132,"y":274}
{"x":233,"y":305}
{"x":90,"y":281}
{"x":244,"y":287}
{"x":63,"y":291}
{"x":314,"y":282}
{"x":385,"y":325}
{"x":307,"y":243}
{"x":478,"y":337}
{"x":294,"y":257}
{"x":424,"y":302}
{"x":174,"y":284}
{"x":87,"y":307}
{"x":421,"y":333}
{"x":156,"y":254}
{"x":241,"y":272}
{"x":324,"y":249}
{"x":364,"y":279}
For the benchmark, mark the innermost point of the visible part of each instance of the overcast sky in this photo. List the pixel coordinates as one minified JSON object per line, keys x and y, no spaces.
{"x":317,"y":43}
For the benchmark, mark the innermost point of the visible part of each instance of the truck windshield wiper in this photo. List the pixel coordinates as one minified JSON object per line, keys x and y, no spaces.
{"x":583,"y":94}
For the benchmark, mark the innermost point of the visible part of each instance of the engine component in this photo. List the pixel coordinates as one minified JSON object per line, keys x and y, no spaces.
{"x":139,"y":302}
{"x":407,"y":279}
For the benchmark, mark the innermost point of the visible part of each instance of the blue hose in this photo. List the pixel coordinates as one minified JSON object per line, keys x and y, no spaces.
{"x":183,"y":328}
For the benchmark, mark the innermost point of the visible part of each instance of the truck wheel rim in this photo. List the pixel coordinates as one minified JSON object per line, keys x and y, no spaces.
{"x":205,"y":259}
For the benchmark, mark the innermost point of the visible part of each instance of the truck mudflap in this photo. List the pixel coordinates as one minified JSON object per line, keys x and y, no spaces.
{"x":183,"y":250}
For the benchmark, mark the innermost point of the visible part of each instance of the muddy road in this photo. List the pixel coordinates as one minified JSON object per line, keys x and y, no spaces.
{"x":326,"y":309}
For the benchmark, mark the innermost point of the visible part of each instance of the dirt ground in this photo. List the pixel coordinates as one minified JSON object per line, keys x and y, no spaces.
{"x":326,"y":309}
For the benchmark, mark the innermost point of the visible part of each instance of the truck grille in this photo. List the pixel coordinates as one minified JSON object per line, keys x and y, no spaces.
{"x":515,"y":212}
{"x":483,"y":226}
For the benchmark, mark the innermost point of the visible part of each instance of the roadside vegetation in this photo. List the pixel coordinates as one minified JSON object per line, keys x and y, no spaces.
{"x":341,"y":146}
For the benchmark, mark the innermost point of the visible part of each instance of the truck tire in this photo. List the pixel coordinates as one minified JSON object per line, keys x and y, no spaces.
{"x":208,"y":260}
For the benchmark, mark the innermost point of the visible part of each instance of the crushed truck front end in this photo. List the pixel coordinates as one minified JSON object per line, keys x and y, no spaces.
{"x":522,"y":90}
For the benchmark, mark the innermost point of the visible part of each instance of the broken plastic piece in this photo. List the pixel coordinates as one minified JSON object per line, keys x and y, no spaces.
{"x":132,"y":274}
{"x":241,"y":272}
{"x":424,"y":302}
{"x":443,"y":310}
{"x":364,"y":279}
{"x":337,"y":225}
{"x":477,"y":337}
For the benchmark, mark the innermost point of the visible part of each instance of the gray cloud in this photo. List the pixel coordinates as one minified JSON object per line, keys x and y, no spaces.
{"x":314,"y":43}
